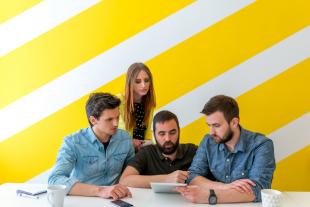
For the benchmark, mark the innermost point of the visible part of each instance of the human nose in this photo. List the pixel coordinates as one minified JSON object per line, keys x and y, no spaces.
{"x":143,"y":84}
{"x":115,"y":122}
{"x":167,"y":137}
{"x":212,"y":131}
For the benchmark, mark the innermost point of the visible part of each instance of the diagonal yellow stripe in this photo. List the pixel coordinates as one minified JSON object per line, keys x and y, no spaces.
{"x":225,"y":45}
{"x":268,"y":106}
{"x":292,"y":173}
{"x":11,"y":8}
{"x":76,"y":41}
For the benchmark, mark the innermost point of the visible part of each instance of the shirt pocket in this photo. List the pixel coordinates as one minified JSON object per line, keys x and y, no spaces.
{"x":90,"y":165}
{"x":118,"y":162}
{"x":240,"y":174}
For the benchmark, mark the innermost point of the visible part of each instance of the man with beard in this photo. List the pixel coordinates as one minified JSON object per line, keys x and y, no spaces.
{"x":167,"y":161}
{"x":242,"y":162}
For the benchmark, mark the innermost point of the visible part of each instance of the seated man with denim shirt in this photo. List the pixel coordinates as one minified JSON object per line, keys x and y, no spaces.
{"x":241,"y":161}
{"x":167,"y":161}
{"x":91,"y":160}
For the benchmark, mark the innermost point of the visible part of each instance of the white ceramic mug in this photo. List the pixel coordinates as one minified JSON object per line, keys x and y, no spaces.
{"x":271,"y":198}
{"x":56,"y":195}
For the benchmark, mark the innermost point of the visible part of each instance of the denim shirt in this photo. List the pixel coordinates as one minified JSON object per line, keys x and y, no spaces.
{"x":253,"y":158}
{"x":82,"y":158}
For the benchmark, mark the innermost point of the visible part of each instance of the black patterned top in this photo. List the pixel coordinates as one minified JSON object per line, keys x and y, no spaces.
{"x":139,"y":129}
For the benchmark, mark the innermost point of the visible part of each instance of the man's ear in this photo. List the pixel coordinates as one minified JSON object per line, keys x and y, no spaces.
{"x":92,"y":120}
{"x":235,"y":122}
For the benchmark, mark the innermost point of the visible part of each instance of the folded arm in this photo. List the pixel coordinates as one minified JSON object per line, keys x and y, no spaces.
{"x":237,"y":191}
{"x":198,"y":194}
{"x":131,"y":177}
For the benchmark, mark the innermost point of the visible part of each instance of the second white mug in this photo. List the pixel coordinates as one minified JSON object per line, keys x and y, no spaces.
{"x":271,"y":198}
{"x":56,"y":195}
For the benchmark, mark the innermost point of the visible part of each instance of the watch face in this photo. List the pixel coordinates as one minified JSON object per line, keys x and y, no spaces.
{"x":212,"y":199}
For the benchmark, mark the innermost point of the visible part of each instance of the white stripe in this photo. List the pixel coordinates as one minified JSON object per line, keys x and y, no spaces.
{"x":292,"y":137}
{"x":41,"y":178}
{"x":245,"y":76}
{"x":111,"y":64}
{"x":287,"y":140}
{"x":38,"y":20}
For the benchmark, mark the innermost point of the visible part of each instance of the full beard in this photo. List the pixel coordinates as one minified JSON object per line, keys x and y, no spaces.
{"x":169,"y":147}
{"x":226,"y":138}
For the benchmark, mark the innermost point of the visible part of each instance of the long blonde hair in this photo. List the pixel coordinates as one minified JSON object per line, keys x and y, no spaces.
{"x":148,"y":101}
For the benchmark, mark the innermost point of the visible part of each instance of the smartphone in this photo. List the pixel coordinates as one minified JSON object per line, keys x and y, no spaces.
{"x":121,"y":203}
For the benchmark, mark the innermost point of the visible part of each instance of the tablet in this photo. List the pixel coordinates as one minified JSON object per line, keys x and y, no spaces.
{"x":166,"y":187}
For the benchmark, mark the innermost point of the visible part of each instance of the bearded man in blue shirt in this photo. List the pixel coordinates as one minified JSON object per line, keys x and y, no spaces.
{"x":91,"y":160}
{"x":240,"y":161}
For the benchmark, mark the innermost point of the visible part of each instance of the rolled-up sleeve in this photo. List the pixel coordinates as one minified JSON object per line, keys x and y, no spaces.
{"x":263,"y":168}
{"x":65,"y":163}
{"x":200,"y":165}
{"x":139,"y":162}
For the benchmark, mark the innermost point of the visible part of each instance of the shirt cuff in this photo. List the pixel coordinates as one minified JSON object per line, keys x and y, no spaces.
{"x":190,"y":178}
{"x":69,"y":184}
{"x":257,"y":192}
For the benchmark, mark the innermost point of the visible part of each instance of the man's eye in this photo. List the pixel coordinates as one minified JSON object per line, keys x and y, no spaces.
{"x":173,"y":132}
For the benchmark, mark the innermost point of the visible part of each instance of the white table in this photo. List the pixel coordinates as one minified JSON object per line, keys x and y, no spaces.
{"x":141,"y":198}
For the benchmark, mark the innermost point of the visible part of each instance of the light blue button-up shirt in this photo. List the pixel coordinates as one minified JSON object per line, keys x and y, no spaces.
{"x":82,"y":158}
{"x":253,"y":158}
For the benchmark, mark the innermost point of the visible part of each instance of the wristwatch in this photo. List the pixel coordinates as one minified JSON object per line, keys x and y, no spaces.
{"x":212,"y":197}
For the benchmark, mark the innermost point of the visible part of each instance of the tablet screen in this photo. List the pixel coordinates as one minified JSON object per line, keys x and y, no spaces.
{"x":166,"y":187}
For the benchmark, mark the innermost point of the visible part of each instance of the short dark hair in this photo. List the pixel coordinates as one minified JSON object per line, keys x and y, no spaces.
{"x":225,"y":104}
{"x":164,"y":116}
{"x":98,"y":102}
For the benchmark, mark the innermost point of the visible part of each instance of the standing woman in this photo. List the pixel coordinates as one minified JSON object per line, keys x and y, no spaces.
{"x":138,"y":103}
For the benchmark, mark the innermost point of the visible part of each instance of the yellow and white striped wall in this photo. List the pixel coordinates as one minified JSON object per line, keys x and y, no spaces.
{"x":55,"y":52}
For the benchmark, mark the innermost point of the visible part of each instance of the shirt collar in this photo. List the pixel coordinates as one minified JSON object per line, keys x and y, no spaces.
{"x":241,"y":144}
{"x":93,"y":139}
{"x":222,"y":146}
{"x":91,"y":135}
{"x":161,"y":156}
{"x":180,"y":153}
